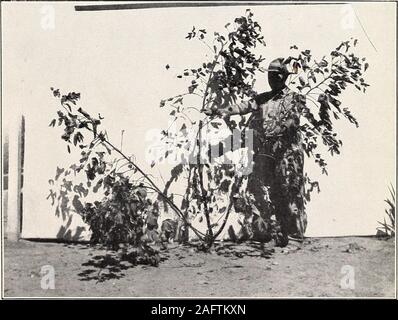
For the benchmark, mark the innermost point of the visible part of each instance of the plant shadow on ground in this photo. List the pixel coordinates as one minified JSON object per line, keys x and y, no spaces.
{"x":112,"y":264}
{"x":242,"y":249}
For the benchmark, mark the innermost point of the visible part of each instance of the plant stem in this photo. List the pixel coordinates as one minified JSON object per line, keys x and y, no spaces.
{"x":234,"y":189}
{"x":200,"y":167}
{"x":202,"y":188}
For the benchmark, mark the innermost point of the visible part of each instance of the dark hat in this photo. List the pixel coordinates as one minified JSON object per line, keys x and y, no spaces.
{"x":279,"y":66}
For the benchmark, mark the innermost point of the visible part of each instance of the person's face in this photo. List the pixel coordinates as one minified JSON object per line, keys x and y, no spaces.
{"x":276,"y":80}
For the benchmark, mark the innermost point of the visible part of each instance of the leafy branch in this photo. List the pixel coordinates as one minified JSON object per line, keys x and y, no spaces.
{"x":230,"y":77}
{"x":77,"y":123}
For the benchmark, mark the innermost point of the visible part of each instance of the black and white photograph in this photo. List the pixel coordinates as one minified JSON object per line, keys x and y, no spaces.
{"x":195,"y":149}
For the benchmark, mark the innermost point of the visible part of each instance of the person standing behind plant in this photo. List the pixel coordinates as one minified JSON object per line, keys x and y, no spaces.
{"x":277,"y":175}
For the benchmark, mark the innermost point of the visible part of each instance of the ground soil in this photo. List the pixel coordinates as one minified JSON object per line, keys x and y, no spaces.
{"x":309,"y":269}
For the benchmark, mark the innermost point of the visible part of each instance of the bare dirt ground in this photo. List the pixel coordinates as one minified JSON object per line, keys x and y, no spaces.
{"x":311,"y":269}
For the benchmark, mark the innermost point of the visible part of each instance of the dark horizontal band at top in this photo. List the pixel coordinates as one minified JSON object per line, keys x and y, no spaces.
{"x":152,"y":5}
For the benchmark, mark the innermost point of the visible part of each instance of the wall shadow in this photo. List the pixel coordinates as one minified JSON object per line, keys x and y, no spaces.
{"x":66,"y":197}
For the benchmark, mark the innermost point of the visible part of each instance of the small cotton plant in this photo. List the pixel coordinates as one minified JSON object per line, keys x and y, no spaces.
{"x":387,"y":227}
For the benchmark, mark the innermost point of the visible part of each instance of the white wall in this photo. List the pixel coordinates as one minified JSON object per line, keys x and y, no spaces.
{"x":117,"y":61}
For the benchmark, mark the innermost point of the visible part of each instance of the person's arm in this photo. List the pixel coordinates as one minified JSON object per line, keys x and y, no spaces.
{"x":240,"y":108}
